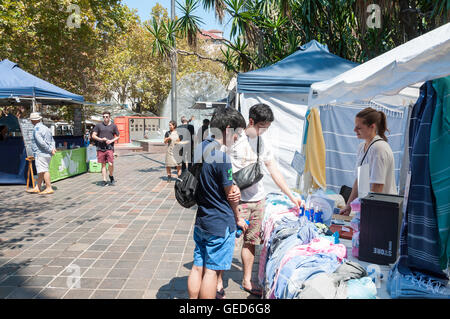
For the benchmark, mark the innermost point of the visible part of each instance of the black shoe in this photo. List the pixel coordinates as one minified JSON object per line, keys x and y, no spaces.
{"x":112,"y":183}
{"x":104,"y":183}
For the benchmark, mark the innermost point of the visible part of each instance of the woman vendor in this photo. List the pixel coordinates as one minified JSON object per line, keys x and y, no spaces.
{"x":374,"y":155}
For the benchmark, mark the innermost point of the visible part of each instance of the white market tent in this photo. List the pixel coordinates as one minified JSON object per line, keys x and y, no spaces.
{"x":390,"y":79}
{"x":424,"y":58}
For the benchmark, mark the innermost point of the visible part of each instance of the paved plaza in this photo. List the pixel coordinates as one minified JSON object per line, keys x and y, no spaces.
{"x":131,"y":240}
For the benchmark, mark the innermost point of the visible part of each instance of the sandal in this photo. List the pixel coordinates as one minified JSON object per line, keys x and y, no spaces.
{"x":33,"y":190}
{"x":45,"y":192}
{"x":253,"y":291}
{"x":220,"y":294}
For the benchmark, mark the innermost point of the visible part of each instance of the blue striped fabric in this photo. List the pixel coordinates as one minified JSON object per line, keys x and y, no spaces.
{"x":341,"y":143}
{"x":419,"y":240}
{"x":439,"y":167}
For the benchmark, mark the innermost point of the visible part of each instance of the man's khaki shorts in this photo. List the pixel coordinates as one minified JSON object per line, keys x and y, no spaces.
{"x":254,"y":213}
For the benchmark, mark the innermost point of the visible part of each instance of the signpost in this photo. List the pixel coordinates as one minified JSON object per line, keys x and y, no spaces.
{"x":27,"y":128}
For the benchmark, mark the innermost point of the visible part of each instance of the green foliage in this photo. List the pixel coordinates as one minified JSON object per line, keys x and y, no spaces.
{"x":265,"y":31}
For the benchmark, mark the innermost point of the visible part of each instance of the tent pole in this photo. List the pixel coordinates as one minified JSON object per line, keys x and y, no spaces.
{"x":238,"y":105}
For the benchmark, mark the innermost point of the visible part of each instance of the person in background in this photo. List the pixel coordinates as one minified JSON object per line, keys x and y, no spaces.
{"x":187,"y":150}
{"x":87,"y":138}
{"x":105,"y":134}
{"x":3,"y":132}
{"x":201,"y":135}
{"x":370,"y":126}
{"x":217,"y":215}
{"x":43,"y":146}
{"x":171,"y":138}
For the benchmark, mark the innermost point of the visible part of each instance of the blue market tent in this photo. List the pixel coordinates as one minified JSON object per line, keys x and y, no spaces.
{"x":19,"y":87}
{"x":284,"y":86}
{"x":295,"y":73}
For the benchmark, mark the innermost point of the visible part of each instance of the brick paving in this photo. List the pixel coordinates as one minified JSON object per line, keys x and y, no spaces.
{"x":131,"y":240}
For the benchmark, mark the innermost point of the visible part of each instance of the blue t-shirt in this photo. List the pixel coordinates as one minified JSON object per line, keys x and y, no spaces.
{"x":214,"y":213}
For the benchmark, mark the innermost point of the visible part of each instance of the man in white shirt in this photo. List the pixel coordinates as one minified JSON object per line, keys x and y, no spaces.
{"x":244,"y":153}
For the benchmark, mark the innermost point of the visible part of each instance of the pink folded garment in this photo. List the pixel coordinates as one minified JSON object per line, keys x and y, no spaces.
{"x":356,"y":205}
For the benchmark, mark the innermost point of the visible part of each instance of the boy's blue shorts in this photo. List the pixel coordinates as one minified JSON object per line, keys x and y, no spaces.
{"x":213,"y":252}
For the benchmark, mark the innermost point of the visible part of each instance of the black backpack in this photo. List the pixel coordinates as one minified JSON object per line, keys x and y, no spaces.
{"x":187,"y":184}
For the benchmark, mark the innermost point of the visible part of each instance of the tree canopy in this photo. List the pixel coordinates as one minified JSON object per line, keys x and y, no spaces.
{"x":265,"y":31}
{"x":98,"y":49}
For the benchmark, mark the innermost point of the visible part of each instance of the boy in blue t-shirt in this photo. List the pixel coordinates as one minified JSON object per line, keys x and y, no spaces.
{"x":217,"y":217}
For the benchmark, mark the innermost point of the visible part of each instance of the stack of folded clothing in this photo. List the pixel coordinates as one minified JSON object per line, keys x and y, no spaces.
{"x":300,"y":258}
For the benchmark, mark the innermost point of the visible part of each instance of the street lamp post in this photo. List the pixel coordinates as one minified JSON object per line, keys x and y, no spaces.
{"x":173,"y":94}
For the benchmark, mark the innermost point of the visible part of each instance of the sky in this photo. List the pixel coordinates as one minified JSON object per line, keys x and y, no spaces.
{"x":144,"y":8}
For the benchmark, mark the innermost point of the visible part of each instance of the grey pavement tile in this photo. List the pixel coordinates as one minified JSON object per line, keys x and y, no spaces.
{"x":131,"y":256}
{"x":61,"y":282}
{"x":173,"y":243}
{"x":131,"y":294}
{"x":151,"y":294}
{"x":23,"y":293}
{"x":171,"y":257}
{"x":112,"y":283}
{"x":5,"y":270}
{"x":88,"y":241}
{"x":59,"y":261}
{"x":69,"y":254}
{"x":13,"y":280}
{"x":104,"y":263}
{"x":142,"y":274}
{"x":152,"y":256}
{"x":117,"y":248}
{"x":106,"y":242}
{"x":51,"y":270}
{"x":136,"y":249}
{"x":147,"y":264}
{"x":111,"y":255}
{"x":174,"y":249}
{"x":51,"y":293}
{"x":83,"y":262}
{"x":119,"y":273}
{"x":37,"y":281}
{"x":30,"y":253}
{"x":5,"y":291}
{"x":89,"y":283}
{"x":122,"y":242}
{"x":105,"y":294}
{"x":124,"y":263}
{"x":161,"y":284}
{"x":78,"y":247}
{"x":98,"y":248}
{"x":78,"y":294}
{"x":40,"y":261}
{"x":136,"y":284}
{"x":155,"y":248}
{"x":91,"y":254}
{"x":96,"y":273}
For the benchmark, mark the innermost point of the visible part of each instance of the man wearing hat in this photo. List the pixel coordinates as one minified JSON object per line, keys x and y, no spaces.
{"x":43,"y":146}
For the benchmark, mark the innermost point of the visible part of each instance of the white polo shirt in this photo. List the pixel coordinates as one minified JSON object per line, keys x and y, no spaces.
{"x":381,"y":164}
{"x":244,"y":153}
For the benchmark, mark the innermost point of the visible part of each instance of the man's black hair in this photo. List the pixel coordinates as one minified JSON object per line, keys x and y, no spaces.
{"x":205,"y":122}
{"x":227,"y":116}
{"x":261,"y":113}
